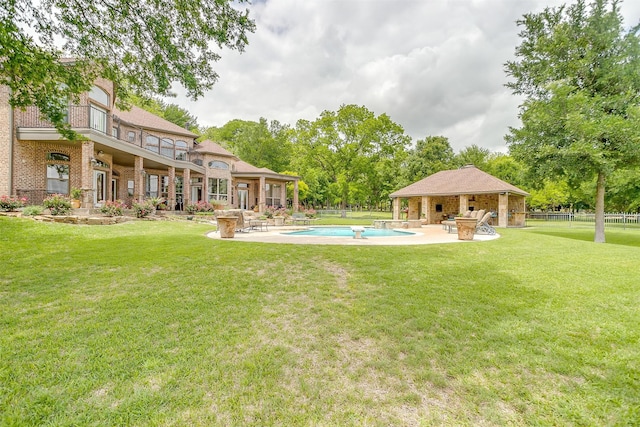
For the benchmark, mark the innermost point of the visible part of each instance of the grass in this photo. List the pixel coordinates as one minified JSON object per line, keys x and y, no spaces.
{"x":151,"y":323}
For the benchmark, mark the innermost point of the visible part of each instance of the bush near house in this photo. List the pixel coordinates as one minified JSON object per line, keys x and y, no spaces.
{"x":113,"y":208}
{"x":58,"y":204}
{"x":11,"y":203}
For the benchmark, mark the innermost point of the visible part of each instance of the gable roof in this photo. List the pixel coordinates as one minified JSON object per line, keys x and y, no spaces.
{"x":466,"y":180}
{"x":208,"y":146}
{"x":142,"y":118}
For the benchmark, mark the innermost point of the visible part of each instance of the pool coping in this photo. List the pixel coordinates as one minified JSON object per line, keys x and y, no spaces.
{"x":425,"y":235}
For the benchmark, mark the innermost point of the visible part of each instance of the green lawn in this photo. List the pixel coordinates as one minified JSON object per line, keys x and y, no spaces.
{"x":151,"y":323}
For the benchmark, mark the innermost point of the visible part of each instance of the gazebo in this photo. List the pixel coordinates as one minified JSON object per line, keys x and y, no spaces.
{"x":447,"y":193}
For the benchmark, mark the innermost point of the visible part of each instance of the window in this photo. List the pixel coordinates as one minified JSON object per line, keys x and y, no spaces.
{"x":99,"y":95}
{"x":58,"y":156}
{"x":273,"y":195}
{"x":58,"y":179}
{"x":98,"y":119}
{"x":164,"y":186}
{"x":181,"y":150}
{"x":131,"y":136}
{"x":130,"y":186}
{"x":218,"y":189}
{"x":100,"y":164}
{"x":114,"y":132}
{"x":153,"y":143}
{"x":151,"y":184}
{"x":58,"y":173}
{"x":166,"y":148}
{"x":217,"y":164}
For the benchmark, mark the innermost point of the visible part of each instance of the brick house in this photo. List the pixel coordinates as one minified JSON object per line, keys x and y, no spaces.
{"x":127,"y":155}
{"x":447,"y":193}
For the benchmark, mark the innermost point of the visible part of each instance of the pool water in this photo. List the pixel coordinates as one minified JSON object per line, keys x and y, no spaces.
{"x":347,"y":232}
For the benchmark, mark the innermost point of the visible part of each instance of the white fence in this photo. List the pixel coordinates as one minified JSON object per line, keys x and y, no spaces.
{"x":620,"y":220}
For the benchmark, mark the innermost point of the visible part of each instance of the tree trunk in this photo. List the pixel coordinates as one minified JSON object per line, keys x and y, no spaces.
{"x":599,"y":236}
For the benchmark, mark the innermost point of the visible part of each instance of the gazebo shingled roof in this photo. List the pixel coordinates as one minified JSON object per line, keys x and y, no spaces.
{"x":466,"y":180}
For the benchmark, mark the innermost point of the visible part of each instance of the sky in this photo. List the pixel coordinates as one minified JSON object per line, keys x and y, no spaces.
{"x":435,"y":67}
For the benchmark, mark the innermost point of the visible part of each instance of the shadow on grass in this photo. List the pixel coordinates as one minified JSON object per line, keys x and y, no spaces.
{"x":614,"y":237}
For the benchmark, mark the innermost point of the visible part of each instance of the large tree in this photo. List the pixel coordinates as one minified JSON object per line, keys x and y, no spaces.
{"x":143,"y":46}
{"x":430,"y":155}
{"x":579,"y":71}
{"x":262,"y":144}
{"x":354,"y":152}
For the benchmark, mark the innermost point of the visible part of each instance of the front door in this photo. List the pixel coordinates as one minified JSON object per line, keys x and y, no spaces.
{"x":99,"y":186}
{"x":243,"y":199}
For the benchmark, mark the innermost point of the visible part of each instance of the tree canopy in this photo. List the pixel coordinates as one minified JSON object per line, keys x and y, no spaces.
{"x":143,"y":46}
{"x":579,"y":71}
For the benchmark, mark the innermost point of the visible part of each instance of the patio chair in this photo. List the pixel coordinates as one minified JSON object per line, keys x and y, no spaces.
{"x":300,"y":218}
{"x":484,"y":227}
{"x":254,"y":222}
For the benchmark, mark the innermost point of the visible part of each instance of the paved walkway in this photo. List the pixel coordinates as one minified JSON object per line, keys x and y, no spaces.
{"x":428,"y":234}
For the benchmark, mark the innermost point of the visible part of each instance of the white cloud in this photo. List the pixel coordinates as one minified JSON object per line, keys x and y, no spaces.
{"x":435,"y":67}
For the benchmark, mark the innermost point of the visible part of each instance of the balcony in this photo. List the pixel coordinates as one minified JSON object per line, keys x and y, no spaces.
{"x":98,"y":120}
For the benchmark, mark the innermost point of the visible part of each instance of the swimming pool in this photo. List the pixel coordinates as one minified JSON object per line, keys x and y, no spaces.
{"x":348,"y":232}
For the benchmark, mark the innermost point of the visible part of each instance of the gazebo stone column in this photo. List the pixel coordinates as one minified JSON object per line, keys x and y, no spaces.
{"x":464,"y":203}
{"x":262,"y":196}
{"x":503,"y":209}
{"x":295,"y":196}
{"x":413,"y":212}
{"x":283,"y":194}
{"x":396,"y":208}
{"x":426,"y":211}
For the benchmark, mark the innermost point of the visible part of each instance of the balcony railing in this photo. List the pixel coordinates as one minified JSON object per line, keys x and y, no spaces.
{"x":90,"y":117}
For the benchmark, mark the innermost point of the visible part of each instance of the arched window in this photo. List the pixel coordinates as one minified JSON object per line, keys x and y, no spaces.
{"x":166,"y":147}
{"x":181,"y":150}
{"x":153,"y":143}
{"x":100,"y":164}
{"x":99,"y":95}
{"x":58,"y":173}
{"x":217,"y":164}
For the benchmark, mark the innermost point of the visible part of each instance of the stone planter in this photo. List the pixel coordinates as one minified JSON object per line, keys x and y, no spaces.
{"x":227,"y":226}
{"x":278,"y":220}
{"x":466,"y":228}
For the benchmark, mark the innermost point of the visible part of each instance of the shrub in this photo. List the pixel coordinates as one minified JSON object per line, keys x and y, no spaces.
{"x":204,"y":207}
{"x":32,"y":210}
{"x":143,"y":210}
{"x":58,"y":204}
{"x":113,"y":208}
{"x":11,"y":204}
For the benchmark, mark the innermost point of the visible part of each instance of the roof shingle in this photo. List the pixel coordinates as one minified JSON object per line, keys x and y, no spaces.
{"x":466,"y":180}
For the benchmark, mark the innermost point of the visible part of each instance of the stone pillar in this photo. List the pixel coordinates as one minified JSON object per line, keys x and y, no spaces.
{"x":138,"y":179}
{"x":171,"y":203}
{"x":503,"y":209}
{"x":426,"y":210}
{"x":412,"y":212}
{"x":396,"y":208}
{"x":464,"y":203}
{"x":262,"y":194}
{"x":296,"y":202}
{"x":283,"y":194}
{"x":86,"y":180}
{"x":186,"y":187}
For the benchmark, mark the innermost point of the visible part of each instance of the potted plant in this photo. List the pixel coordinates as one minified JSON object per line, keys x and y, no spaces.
{"x":76,"y":196}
